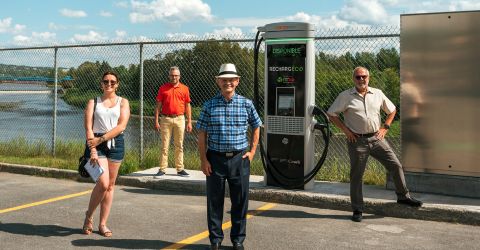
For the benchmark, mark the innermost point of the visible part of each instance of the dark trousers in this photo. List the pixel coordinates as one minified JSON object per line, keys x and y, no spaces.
{"x":359,"y":152}
{"x":236,"y":171}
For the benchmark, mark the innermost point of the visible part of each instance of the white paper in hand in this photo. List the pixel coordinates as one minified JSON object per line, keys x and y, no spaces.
{"x":94,"y":170}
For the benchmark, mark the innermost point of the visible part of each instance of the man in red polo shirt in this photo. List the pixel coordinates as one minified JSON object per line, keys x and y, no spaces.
{"x":173,"y":102}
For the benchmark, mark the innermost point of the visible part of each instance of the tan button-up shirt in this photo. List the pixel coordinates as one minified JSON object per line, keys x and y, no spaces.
{"x":361,"y":114}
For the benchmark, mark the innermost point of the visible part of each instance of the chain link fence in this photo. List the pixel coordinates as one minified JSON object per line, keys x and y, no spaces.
{"x":43,"y":90}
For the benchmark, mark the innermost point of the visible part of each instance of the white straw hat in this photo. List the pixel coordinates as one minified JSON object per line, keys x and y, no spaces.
{"x":227,"y":70}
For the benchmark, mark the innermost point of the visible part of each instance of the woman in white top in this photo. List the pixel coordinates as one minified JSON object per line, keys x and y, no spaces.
{"x":104,"y":135}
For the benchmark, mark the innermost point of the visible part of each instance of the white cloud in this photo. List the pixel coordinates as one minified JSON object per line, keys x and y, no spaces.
{"x":415,"y":6}
{"x":91,"y":36}
{"x":106,"y":14}
{"x":178,"y":11}
{"x":73,"y":13}
{"x":6,"y":26}
{"x":226,"y":32}
{"x":320,"y":23}
{"x":20,"y":39}
{"x":143,"y":39}
{"x":45,"y":36}
{"x":181,"y":36}
{"x":365,"y":12}
{"x":120,"y":33}
{"x":18,"y":28}
{"x":36,"y":38}
{"x":247,"y":22}
{"x":464,"y":5}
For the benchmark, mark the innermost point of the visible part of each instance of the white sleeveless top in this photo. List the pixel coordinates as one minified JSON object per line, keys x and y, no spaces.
{"x":105,"y":119}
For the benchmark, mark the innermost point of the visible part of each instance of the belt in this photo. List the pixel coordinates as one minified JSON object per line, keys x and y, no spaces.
{"x":367,"y":135}
{"x":172,"y":116}
{"x":225,"y":154}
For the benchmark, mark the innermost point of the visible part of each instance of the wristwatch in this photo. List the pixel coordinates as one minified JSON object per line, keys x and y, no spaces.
{"x":386,"y":126}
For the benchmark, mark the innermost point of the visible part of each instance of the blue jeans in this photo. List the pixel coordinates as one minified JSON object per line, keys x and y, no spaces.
{"x":236,"y":171}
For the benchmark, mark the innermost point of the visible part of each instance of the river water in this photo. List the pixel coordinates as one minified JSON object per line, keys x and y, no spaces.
{"x":26,"y":110}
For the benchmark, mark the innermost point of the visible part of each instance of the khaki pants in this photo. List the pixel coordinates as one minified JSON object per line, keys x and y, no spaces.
{"x":169,"y":125}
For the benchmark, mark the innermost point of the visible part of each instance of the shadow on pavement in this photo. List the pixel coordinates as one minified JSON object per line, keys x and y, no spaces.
{"x":131,"y":244}
{"x":302,"y":214}
{"x":38,"y":230}
{"x":158,"y":192}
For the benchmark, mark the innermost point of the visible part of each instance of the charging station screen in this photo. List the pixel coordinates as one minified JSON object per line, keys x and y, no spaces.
{"x":286,"y":79}
{"x":286,"y":105}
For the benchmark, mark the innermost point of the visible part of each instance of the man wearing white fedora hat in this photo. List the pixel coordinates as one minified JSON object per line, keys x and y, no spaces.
{"x":226,"y":153}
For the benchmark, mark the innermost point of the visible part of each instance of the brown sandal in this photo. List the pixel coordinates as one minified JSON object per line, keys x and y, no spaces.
{"x":88,"y":224}
{"x":104,"y":231}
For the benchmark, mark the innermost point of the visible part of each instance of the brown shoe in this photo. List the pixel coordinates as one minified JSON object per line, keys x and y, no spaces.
{"x":104,"y":231}
{"x":87,"y":224}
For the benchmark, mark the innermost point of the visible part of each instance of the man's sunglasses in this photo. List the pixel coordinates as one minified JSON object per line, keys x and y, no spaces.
{"x":360,"y":77}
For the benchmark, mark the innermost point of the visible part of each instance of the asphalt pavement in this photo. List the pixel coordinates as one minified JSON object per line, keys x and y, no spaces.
{"x":47,"y":213}
{"x":326,"y":195}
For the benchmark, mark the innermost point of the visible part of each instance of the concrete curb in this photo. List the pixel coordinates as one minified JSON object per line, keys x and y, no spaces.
{"x":378,"y":207}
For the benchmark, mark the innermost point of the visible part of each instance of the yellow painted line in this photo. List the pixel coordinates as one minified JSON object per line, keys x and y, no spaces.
{"x":44,"y":202}
{"x":226,"y":225}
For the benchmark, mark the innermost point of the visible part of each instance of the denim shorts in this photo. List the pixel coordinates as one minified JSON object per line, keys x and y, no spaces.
{"x":115,"y":153}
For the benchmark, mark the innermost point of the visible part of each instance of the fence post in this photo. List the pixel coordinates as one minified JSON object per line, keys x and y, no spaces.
{"x":54,"y":132}
{"x":141,"y":104}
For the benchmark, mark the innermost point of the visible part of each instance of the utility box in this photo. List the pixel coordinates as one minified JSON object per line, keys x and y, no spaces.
{"x":440,"y":102}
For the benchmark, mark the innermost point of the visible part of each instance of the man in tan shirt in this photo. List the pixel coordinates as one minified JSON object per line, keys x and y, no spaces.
{"x":361,"y":107}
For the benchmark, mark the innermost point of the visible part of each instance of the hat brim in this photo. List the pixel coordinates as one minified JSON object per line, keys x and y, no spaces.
{"x":228,"y":76}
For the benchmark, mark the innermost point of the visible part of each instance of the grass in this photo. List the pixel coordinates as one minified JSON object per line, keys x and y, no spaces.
{"x":20,"y":151}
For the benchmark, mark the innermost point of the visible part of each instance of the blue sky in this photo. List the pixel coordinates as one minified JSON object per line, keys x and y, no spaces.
{"x":50,"y":22}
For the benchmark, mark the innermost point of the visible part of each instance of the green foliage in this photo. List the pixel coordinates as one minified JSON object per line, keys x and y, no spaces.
{"x":199,"y":66}
{"x":20,"y":70}
{"x":334,"y":74}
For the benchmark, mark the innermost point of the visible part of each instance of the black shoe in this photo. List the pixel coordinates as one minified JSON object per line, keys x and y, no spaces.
{"x":183,"y":173}
{"x":357,"y":216}
{"x":215,"y":246}
{"x":410,"y":202}
{"x":159,"y":174}
{"x":238,"y":246}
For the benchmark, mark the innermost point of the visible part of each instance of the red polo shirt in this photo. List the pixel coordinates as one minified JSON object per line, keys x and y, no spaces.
{"x":173,"y":98}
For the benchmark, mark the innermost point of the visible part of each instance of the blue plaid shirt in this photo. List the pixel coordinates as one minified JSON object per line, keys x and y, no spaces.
{"x":226,"y":122}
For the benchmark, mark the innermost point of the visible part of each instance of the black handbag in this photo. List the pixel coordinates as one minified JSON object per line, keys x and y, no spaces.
{"x":83,"y":159}
{"x":81,"y":166}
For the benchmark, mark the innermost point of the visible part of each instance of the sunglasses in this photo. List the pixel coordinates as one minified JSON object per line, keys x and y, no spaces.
{"x":111,"y":82}
{"x":360,"y":77}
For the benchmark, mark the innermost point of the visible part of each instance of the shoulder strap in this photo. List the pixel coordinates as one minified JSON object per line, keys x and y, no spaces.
{"x":94,"y":108}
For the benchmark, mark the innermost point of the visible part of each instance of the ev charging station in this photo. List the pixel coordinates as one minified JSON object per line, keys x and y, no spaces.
{"x":289,"y":141}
